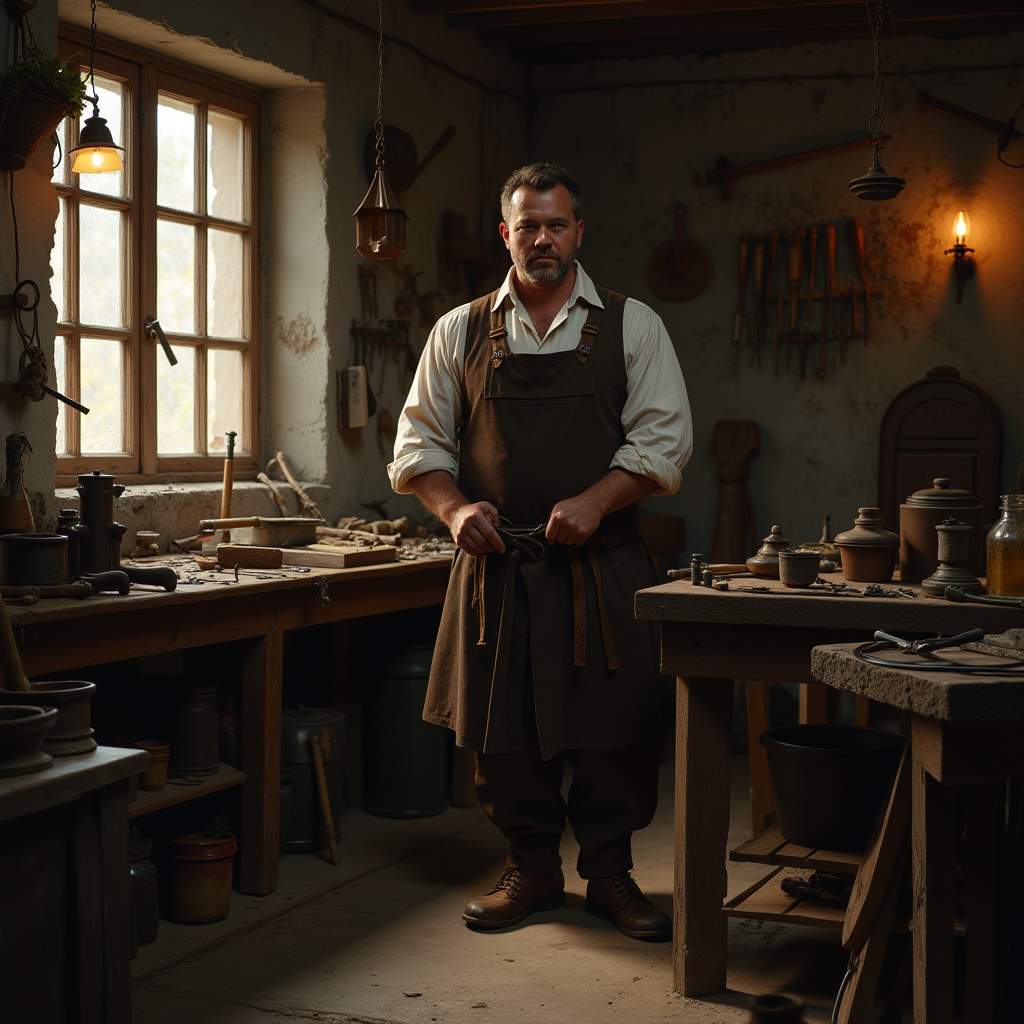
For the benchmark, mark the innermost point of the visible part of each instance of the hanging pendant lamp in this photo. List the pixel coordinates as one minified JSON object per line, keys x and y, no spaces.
{"x":380,"y":219}
{"x":876,"y":185}
{"x":96,"y":151}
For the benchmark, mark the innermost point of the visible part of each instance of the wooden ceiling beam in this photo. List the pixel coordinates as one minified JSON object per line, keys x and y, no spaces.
{"x":603,"y":49}
{"x":681,"y":6}
{"x":937,"y":14}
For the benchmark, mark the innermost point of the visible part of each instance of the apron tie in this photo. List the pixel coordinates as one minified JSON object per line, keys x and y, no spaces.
{"x":528,"y":541}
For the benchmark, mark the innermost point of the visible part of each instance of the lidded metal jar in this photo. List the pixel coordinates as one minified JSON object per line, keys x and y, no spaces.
{"x":869,"y":552}
{"x":923,"y":511}
{"x":766,"y":561}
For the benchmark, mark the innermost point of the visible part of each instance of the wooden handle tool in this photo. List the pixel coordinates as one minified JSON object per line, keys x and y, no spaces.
{"x":795,"y":262}
{"x":721,"y":569}
{"x":826,"y":302}
{"x":10,"y":660}
{"x":325,"y":799}
{"x":811,"y":257}
{"x":741,"y":288}
{"x":755,"y":327}
{"x":769,"y":280}
{"x":211,"y":525}
{"x":855,"y":231}
{"x":229,"y":478}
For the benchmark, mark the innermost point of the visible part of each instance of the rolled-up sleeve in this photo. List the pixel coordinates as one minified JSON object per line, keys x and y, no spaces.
{"x":656,"y":416}
{"x":426,"y":434}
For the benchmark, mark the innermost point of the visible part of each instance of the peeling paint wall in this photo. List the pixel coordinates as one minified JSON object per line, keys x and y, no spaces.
{"x":636,"y":132}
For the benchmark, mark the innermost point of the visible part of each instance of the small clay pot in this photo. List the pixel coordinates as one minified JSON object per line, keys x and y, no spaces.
{"x":798,"y":568}
{"x":869,"y":552}
{"x":72,"y":698}
{"x":199,"y":889}
{"x":22,"y":728}
{"x":766,"y":561}
{"x":155,"y":776}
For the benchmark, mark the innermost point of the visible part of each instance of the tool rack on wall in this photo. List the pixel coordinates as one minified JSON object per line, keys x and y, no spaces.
{"x":811,"y":310}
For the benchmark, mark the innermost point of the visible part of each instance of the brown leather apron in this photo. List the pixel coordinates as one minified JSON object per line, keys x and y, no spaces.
{"x":536,"y":429}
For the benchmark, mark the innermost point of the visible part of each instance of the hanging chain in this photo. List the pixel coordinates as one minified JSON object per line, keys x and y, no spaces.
{"x":93,"y":99}
{"x":875,"y":121}
{"x":379,"y":124}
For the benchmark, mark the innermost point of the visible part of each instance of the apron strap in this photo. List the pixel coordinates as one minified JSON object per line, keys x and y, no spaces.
{"x":588,"y":336}
{"x":499,"y":337}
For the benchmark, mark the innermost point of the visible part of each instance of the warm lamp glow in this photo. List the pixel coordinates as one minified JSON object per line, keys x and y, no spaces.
{"x":97,"y":161}
{"x":961,"y":228}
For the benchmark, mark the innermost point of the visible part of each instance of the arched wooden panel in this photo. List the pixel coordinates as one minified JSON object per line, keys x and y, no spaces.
{"x":940,"y":426}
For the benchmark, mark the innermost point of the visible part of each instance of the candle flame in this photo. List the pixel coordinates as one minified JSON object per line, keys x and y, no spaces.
{"x":961,"y":228}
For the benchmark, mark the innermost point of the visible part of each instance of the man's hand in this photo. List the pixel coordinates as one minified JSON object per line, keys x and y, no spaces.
{"x":472,"y":528}
{"x":573,"y":521}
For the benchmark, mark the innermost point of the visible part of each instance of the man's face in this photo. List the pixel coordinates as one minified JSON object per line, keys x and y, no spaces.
{"x":541,"y":234}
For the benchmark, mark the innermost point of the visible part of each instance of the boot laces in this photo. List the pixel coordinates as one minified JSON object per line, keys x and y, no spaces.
{"x":511,"y":881}
{"x":626,"y":888}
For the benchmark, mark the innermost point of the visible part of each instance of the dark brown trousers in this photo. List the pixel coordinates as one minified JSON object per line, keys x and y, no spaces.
{"x":613,"y":793}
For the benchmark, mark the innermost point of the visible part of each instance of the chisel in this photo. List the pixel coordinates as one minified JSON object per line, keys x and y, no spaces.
{"x":813,"y":246}
{"x":827,"y":298}
{"x":741,"y":288}
{"x":856,"y":235}
{"x":795,"y":257}
{"x":773,"y":251}
{"x":755,"y":328}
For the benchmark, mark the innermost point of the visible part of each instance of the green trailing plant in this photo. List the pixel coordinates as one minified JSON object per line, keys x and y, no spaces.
{"x":41,"y":72}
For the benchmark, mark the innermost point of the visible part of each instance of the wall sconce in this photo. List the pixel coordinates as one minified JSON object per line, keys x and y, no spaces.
{"x":963,"y":265}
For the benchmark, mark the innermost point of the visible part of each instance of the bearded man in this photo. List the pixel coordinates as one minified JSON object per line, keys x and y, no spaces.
{"x":540,"y":415}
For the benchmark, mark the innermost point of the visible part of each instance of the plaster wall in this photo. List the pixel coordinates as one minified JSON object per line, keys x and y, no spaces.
{"x":316,"y":61}
{"x":634,"y":133}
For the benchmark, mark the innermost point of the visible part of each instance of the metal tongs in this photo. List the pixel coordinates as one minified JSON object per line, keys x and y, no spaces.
{"x":887,"y":641}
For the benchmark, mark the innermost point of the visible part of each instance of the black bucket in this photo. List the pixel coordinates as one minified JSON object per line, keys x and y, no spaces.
{"x":830,"y":782}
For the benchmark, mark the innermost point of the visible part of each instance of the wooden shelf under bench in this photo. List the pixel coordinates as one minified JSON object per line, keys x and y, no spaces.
{"x":157,"y":799}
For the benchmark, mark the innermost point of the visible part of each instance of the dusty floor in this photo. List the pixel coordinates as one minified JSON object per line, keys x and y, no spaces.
{"x":380,"y":940}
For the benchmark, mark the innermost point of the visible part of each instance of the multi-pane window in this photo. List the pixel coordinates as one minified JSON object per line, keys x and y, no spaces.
{"x":172,"y":238}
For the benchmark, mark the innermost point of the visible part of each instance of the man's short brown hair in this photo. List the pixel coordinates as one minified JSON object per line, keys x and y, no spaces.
{"x":541,"y":177}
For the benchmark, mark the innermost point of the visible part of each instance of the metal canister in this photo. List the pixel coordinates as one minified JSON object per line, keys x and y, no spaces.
{"x":195,"y":742}
{"x":405,"y":760}
{"x":145,"y":888}
{"x":35,"y":560}
{"x":306,"y":827}
{"x":199,"y":889}
{"x":923,"y":511}
{"x":69,"y":523}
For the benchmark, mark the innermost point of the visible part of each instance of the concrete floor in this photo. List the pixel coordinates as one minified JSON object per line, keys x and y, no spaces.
{"x":380,"y":940}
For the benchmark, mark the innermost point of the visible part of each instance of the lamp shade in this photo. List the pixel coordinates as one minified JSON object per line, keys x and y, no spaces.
{"x":380,"y":222}
{"x":96,"y":150}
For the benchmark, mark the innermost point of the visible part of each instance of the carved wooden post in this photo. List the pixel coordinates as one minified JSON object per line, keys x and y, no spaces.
{"x":735,"y":443}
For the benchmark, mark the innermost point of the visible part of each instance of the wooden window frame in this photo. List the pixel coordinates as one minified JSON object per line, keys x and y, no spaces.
{"x":148,"y":75}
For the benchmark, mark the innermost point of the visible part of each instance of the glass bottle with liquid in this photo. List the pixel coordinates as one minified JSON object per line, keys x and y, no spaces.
{"x":1005,"y":549}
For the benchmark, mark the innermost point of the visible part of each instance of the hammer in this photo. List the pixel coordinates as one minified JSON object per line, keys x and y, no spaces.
{"x":229,"y":478}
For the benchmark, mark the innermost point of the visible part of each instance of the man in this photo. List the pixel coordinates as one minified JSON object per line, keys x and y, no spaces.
{"x":538,"y":418}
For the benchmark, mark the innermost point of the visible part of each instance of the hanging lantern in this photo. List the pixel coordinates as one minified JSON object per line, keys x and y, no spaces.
{"x":96,"y":151}
{"x":876,"y":184}
{"x":380,"y":219}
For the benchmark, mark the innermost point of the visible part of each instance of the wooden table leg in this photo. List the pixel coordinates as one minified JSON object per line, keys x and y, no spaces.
{"x":819,"y":704}
{"x":260,"y":841}
{"x":933,"y":832}
{"x":986,"y":808}
{"x":703,"y":749}
{"x":762,"y":800}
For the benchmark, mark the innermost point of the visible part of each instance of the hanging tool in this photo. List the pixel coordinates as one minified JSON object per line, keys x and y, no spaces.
{"x":773,"y":250}
{"x":325,"y":799}
{"x":757,"y":326}
{"x":843,"y":296}
{"x":780,"y":298}
{"x":741,"y":288}
{"x":678,"y":269}
{"x":811,"y":257}
{"x":722,"y":174}
{"x":855,"y":233}
{"x":827,"y":298}
{"x":1004,"y":131}
{"x":796,"y":264}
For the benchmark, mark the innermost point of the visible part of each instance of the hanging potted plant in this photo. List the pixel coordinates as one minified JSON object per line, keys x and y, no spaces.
{"x":37,"y":91}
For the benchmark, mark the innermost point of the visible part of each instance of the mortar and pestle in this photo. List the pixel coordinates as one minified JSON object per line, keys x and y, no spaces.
{"x":69,"y":731}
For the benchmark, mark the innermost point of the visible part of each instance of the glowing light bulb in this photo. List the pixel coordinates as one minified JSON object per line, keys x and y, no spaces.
{"x":961,"y":228}
{"x":97,"y":158}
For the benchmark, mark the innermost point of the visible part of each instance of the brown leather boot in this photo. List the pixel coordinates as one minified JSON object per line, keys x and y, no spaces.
{"x":515,"y":895}
{"x":620,"y":900}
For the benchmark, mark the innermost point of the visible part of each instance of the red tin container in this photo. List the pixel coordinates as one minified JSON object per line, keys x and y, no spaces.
{"x":199,"y":887}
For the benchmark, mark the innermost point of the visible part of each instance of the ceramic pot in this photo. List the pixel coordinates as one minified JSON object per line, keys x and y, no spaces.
{"x":22,"y":728}
{"x":28,"y":119}
{"x":194,"y":738}
{"x":923,"y":511}
{"x":72,"y":733}
{"x":35,"y":560}
{"x":766,"y":561}
{"x":869,"y":552}
{"x":798,"y":568}
{"x":199,"y":889}
{"x":155,"y":776}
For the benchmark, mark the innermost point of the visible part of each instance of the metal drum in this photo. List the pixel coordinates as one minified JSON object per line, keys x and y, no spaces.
{"x":306,"y":827}
{"x":405,"y":759}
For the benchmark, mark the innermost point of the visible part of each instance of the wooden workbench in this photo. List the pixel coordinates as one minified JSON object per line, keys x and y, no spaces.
{"x":65,"y":635}
{"x":710,"y":638}
{"x":966,"y":731}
